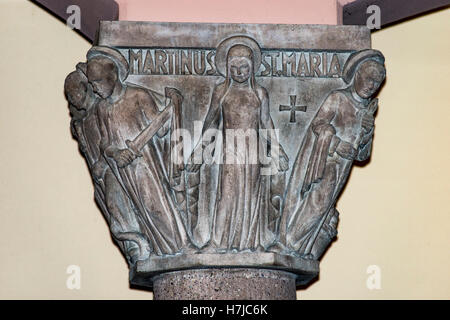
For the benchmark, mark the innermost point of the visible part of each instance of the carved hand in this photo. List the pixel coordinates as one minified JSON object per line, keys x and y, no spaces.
{"x":346,"y":150}
{"x":98,"y":169}
{"x":368,"y":122}
{"x":333,"y":145}
{"x":283,"y":164}
{"x":124,"y":157}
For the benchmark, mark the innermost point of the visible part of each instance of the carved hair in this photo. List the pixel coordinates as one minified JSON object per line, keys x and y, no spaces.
{"x":105,"y":65}
{"x":75,"y":83}
{"x":240,"y":50}
{"x":373,"y":66}
{"x":112,"y":55}
{"x":356,"y":60}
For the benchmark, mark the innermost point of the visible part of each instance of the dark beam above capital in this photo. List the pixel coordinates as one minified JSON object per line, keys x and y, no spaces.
{"x":392,"y":11}
{"x":91,"y":13}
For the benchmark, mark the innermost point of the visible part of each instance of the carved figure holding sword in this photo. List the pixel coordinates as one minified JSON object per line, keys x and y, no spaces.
{"x":135,"y":146}
{"x":141,"y":180}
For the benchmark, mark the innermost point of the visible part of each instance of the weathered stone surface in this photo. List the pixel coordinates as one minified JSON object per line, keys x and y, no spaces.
{"x":224,"y":145}
{"x":209,"y":35}
{"x":225,"y":284}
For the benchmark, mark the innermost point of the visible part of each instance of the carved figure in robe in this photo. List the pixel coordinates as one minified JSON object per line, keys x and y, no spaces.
{"x":341,"y":132}
{"x":243,"y":209}
{"x":136,"y":177}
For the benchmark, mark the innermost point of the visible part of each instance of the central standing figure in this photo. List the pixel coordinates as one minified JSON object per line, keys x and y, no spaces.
{"x":246,"y":208}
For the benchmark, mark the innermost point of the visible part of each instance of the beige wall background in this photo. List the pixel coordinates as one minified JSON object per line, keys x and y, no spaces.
{"x":394,"y":212}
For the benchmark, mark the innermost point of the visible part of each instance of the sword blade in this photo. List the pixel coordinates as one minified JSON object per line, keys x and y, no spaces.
{"x":147,"y":134}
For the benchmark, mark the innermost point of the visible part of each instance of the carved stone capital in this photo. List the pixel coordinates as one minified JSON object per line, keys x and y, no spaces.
{"x":224,"y":146}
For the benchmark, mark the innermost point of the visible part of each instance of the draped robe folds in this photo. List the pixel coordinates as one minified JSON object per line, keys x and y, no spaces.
{"x":85,"y":127}
{"x":87,"y":132}
{"x":146,"y":179}
{"x":233,"y":206}
{"x":107,"y":192}
{"x":319,"y":173}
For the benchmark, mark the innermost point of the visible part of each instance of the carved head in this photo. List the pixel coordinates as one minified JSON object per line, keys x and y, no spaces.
{"x":240,"y":63}
{"x":76,"y":88}
{"x":364,"y":71}
{"x":368,"y":78}
{"x":103,"y":75}
{"x":241,"y":53}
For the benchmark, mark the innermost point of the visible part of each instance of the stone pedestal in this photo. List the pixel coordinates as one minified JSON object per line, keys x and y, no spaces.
{"x":211,"y":276}
{"x":225,"y":284}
